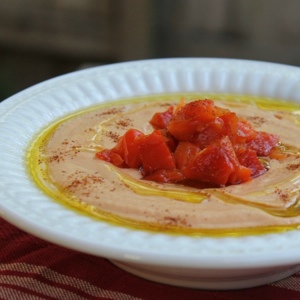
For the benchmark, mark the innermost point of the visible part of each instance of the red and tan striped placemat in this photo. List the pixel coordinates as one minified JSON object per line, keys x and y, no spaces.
{"x":31,"y":268}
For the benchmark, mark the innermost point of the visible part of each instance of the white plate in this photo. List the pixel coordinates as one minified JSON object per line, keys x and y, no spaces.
{"x":210,"y":263}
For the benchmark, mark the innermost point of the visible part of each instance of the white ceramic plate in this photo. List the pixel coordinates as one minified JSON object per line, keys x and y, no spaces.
{"x":210,"y":263}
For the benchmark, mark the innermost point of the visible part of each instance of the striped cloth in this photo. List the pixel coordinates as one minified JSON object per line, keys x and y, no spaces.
{"x":33,"y":269}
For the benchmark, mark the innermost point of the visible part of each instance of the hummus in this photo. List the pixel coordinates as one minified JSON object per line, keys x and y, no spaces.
{"x":63,"y":162}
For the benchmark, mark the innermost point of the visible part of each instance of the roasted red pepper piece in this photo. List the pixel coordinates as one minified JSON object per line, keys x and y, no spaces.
{"x":112,"y":157}
{"x":160,"y":120}
{"x":184,"y":153}
{"x":241,"y":174}
{"x":245,"y":131}
{"x":216,"y":164}
{"x":263,"y":143}
{"x":165,"y":176}
{"x":131,"y":148}
{"x":155,"y":153}
{"x":189,"y":119}
{"x":250,"y":160}
{"x":126,"y":153}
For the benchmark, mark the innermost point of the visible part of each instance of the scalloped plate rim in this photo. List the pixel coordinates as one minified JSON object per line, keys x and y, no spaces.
{"x":223,"y":260}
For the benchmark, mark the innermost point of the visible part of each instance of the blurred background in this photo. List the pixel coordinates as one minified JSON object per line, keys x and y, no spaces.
{"x":41,"y":39}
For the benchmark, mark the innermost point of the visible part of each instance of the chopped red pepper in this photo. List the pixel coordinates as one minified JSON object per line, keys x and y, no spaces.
{"x":160,"y":120}
{"x":166,"y":175}
{"x":184,"y":153}
{"x":112,"y":157}
{"x":263,"y":143}
{"x":249,"y":159}
{"x":155,"y":153}
{"x":126,"y":153}
{"x":198,"y":142}
{"x":216,"y":164}
{"x":192,"y":117}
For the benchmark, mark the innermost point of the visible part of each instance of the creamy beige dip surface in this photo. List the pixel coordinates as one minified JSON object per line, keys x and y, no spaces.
{"x":70,"y":172}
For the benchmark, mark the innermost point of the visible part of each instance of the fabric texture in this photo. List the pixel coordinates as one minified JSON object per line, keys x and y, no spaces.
{"x":31,"y":268}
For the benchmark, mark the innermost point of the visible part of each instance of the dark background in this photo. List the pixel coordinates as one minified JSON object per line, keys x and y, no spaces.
{"x":41,"y":39}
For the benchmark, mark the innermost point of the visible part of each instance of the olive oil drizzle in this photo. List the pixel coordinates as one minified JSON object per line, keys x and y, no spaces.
{"x":143,"y":188}
{"x":291,"y":211}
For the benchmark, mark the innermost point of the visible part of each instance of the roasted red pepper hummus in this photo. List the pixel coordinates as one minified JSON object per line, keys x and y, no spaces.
{"x":216,"y":167}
